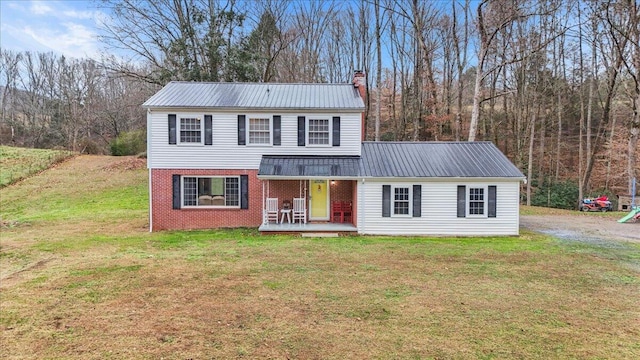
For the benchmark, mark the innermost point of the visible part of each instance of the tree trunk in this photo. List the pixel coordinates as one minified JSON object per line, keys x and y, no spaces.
{"x":378,"y":71}
{"x":530,"y":161}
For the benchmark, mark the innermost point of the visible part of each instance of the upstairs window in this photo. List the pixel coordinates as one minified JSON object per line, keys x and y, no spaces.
{"x":318,"y":133}
{"x":259,"y":131}
{"x":190,"y":131}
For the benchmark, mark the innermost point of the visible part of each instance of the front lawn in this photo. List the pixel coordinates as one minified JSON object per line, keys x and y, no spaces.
{"x":77,"y":285}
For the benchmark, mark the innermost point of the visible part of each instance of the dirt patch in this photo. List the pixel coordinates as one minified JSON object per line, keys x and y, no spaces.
{"x":127,"y":164}
{"x":583,"y":227}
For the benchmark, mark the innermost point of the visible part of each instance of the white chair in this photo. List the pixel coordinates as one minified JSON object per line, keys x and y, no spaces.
{"x":271,"y":211}
{"x":299,"y":210}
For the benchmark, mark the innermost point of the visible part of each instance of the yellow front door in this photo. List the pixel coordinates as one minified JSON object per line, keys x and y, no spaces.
{"x":319,"y":200}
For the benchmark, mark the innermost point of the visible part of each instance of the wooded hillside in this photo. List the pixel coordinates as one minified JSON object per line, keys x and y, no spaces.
{"x":554,"y":83}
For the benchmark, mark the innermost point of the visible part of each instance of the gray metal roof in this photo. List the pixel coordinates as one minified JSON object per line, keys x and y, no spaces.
{"x":309,"y":166}
{"x":398,"y":159}
{"x":257,"y":96}
{"x":435,"y":159}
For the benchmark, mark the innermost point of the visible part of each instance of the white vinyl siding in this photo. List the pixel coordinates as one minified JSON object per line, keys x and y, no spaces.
{"x":439,"y":213}
{"x":225,"y":153}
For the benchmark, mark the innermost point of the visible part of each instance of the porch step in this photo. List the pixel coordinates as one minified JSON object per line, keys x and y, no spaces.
{"x":319,"y":235}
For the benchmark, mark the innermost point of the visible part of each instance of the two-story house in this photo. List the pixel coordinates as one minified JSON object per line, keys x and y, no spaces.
{"x":247,"y":154}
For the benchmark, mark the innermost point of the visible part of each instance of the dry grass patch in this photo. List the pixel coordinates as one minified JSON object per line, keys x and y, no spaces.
{"x":539,"y":210}
{"x":19,"y":163}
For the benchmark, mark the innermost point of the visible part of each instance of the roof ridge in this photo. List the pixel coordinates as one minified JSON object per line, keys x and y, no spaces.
{"x":438,"y":142}
{"x":249,"y":83}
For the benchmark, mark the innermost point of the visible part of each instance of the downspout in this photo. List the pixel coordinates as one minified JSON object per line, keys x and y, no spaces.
{"x":150,"y":202}
{"x":362,"y":209}
{"x":149,"y":166}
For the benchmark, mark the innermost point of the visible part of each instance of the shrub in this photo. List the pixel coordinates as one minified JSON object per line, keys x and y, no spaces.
{"x":129,"y":143}
{"x":561,"y":195}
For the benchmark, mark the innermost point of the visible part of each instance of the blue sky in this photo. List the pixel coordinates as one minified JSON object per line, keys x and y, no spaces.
{"x":65,"y":27}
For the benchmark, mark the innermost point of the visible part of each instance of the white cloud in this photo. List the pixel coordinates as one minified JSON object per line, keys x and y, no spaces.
{"x":75,"y":14}
{"x":64,"y":27}
{"x":40,"y":8}
{"x":75,"y":40}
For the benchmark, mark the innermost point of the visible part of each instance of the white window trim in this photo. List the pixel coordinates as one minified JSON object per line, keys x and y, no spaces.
{"x":485,"y":201}
{"x":330,"y":123}
{"x":248,"y":118}
{"x":182,"y":197}
{"x":179,"y":118}
{"x":393,"y":201}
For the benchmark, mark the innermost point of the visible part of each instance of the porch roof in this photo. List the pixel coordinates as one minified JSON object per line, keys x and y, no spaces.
{"x":308,"y":167}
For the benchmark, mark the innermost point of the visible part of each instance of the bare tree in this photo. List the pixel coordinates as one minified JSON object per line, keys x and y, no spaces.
{"x":500,"y":16}
{"x":460,"y":44}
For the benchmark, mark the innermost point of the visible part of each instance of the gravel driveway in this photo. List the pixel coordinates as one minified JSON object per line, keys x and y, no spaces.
{"x":583,"y":227}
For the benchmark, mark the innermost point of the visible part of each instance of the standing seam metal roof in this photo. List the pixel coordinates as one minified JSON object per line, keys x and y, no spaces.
{"x":257,"y":96}
{"x":435,"y":159}
{"x":401,"y":160}
{"x":307,"y":166}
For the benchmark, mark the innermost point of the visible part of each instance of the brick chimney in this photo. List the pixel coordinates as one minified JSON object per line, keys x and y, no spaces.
{"x":360,"y":83}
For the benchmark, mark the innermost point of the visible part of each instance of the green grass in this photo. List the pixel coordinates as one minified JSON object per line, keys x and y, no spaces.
{"x":19,"y":163}
{"x":76,"y":284}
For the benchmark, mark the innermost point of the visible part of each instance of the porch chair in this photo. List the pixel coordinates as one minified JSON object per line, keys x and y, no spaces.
{"x":299,"y":210}
{"x":347,"y":212}
{"x":271,"y":211}
{"x":336,"y":211}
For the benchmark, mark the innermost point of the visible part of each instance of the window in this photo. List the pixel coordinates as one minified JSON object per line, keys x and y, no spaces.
{"x":318,"y":133}
{"x":401,"y":201}
{"x":476,"y":201}
{"x":190,"y":131}
{"x":259,"y":131}
{"x":211,"y":191}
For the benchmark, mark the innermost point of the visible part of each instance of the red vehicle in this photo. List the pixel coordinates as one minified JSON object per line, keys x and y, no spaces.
{"x":601,"y":203}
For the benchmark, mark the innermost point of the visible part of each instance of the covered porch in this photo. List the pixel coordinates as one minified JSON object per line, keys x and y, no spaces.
{"x":308,"y":194}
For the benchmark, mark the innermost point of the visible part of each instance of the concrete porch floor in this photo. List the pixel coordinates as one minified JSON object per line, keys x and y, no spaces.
{"x":308,"y":227}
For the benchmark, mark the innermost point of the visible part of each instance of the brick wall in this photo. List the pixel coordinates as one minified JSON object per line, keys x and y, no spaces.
{"x":341,"y":190}
{"x":166,"y":218}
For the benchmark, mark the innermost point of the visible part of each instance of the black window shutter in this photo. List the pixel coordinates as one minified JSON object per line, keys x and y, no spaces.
{"x":176,"y":192}
{"x":208,"y":130}
{"x":242,"y":130}
{"x":277,"y":122}
{"x":172,"y":129}
{"x":492,"y":201}
{"x":336,"y":131}
{"x":301,"y":130}
{"x":462,"y":201}
{"x":244,"y":191}
{"x":386,"y":200}
{"x":417,"y":200}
